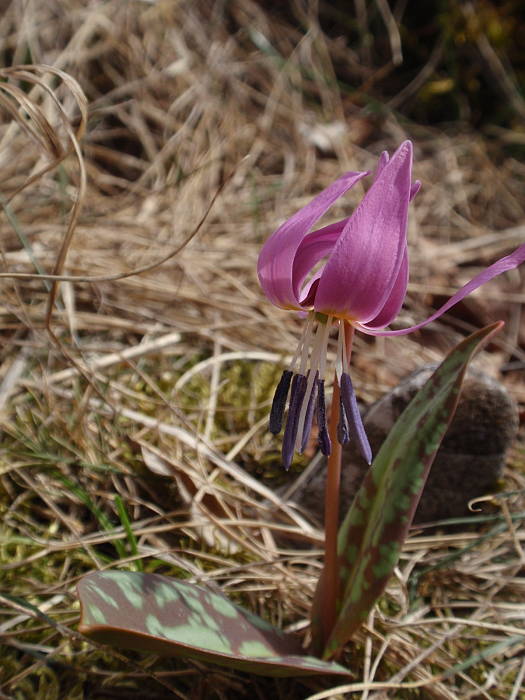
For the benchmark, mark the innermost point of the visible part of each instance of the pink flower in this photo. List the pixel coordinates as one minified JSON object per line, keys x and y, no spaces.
{"x":363,"y":281}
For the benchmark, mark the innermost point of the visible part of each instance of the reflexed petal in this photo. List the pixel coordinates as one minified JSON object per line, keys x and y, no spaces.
{"x":275,"y":264}
{"x":414,"y":189}
{"x":314,"y":248}
{"x":509,"y":262}
{"x":395,"y":301}
{"x":365,"y":262}
{"x":308,"y":292}
{"x":383,"y":160}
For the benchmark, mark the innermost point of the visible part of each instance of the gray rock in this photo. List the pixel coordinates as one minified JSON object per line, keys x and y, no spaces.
{"x":468,"y":464}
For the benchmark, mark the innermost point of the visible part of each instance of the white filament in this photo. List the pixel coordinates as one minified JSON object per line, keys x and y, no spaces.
{"x":324,"y":349}
{"x":339,"y":363}
{"x":304,"y":342}
{"x":317,"y":360}
{"x":346,"y":366}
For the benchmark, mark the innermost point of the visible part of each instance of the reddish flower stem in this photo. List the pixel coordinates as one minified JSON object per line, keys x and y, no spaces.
{"x":331,"y":519}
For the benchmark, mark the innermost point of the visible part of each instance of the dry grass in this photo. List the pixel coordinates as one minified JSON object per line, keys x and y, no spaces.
{"x":135,"y":376}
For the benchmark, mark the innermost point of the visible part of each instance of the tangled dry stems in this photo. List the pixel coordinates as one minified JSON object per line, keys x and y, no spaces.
{"x":122,"y":396}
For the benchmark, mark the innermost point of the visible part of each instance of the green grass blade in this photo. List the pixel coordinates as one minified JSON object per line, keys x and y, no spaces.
{"x":126,"y":524}
{"x":103,"y":520}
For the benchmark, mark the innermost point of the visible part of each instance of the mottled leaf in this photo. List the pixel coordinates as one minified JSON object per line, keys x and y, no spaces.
{"x":373,"y":532}
{"x":165,"y":616}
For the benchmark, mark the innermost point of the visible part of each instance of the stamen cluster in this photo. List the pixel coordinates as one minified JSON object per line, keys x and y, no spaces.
{"x":304,"y":383}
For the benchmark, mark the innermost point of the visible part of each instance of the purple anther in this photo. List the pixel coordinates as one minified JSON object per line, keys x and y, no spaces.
{"x":297,"y":393}
{"x":325,"y":444}
{"x":279,"y":402}
{"x":309,"y":415}
{"x":342,"y":426}
{"x":353,"y":416}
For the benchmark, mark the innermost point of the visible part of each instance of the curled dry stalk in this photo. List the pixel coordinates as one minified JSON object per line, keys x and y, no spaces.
{"x":31,"y":116}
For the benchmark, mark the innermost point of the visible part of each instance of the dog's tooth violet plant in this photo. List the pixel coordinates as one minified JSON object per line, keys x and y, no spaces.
{"x":350,"y":275}
{"x":361,"y":285}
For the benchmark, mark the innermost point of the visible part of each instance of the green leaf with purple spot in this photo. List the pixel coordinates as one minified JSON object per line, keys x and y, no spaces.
{"x":160,"y":615}
{"x":372,"y":534}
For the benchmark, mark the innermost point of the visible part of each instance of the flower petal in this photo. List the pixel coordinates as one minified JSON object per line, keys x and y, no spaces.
{"x":382,"y":161}
{"x":414,"y":189}
{"x":276,"y":259}
{"x":395,"y":301}
{"x":312,"y":249}
{"x":364,"y":265}
{"x":509,"y":262}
